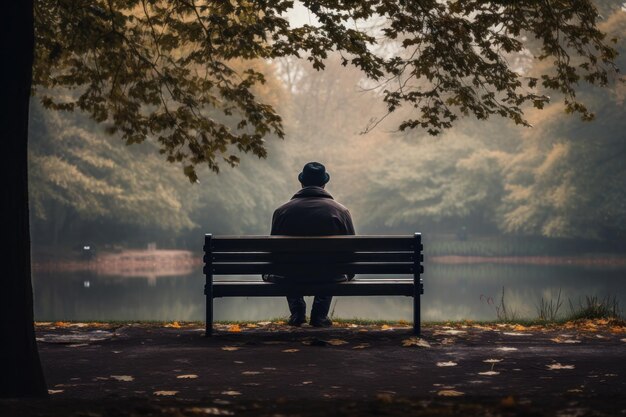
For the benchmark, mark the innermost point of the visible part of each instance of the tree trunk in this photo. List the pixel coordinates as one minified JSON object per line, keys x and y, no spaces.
{"x":20,"y":369}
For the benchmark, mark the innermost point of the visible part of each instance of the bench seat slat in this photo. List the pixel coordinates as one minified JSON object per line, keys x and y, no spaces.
{"x":311,"y":244}
{"x":311,"y":257}
{"x":311,"y":268}
{"x":350,"y":288}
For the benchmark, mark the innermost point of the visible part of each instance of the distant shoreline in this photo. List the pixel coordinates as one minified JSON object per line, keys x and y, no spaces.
{"x":616,"y":261}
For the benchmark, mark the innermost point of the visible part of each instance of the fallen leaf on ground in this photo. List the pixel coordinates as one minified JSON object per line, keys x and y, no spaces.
{"x":213,"y":411}
{"x":492,"y":360}
{"x":337,"y":342}
{"x":230,"y":348}
{"x":563,"y":340}
{"x":384,"y":397}
{"x":451,"y":332}
{"x":174,"y":325}
{"x":291,"y":350}
{"x":450,"y":393}
{"x":123,"y":378}
{"x":519,"y":328}
{"x":557,"y":365}
{"x":231,"y":393}
{"x":264,"y":323}
{"x":251,"y":325}
{"x":508,"y":401}
{"x":516,"y":334}
{"x":415,"y":341}
{"x":448,"y":341}
{"x":55,"y":391}
{"x":506,"y":349}
{"x":489,"y":373}
{"x":165,"y":393}
{"x":386,"y":327}
{"x":443,"y":364}
{"x":235,"y":328}
{"x":361,"y":346}
{"x":189,"y":376}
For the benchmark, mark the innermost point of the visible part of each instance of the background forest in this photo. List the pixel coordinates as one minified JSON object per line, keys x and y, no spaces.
{"x":480,"y":187}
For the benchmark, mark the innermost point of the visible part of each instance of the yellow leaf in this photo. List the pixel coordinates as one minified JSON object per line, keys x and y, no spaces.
{"x":235,"y":328}
{"x":291,"y":350}
{"x":165,"y":393}
{"x":450,"y":393}
{"x":519,"y":328}
{"x":174,"y":325}
{"x":54,"y":391}
{"x":190,"y":376}
{"x":386,"y":327}
{"x":230,"y":348}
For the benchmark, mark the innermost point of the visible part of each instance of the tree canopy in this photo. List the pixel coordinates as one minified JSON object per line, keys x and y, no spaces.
{"x":164,"y":69}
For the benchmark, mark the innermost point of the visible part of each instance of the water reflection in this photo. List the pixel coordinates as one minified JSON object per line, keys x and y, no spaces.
{"x":452,"y":292}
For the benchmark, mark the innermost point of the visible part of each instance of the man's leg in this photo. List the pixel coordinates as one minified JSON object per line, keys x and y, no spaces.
{"x":319,"y":312}
{"x":297,"y":308}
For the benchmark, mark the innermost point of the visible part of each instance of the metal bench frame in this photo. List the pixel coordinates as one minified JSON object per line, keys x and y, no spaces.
{"x":318,"y":255}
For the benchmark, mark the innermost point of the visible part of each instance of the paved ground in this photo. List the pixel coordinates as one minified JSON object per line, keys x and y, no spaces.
{"x":571,"y":370}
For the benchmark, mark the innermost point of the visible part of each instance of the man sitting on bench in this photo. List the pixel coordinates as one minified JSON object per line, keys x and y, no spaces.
{"x":312,"y":211}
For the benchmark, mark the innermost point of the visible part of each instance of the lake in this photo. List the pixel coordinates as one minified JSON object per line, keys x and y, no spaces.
{"x":452,"y":292}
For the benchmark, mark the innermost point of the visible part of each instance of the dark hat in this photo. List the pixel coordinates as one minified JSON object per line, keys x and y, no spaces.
{"x":314,"y":173}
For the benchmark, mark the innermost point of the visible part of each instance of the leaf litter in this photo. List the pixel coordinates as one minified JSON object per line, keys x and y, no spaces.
{"x":445,"y":364}
{"x":450,"y":393}
{"x":415,"y":341}
{"x":123,"y":378}
{"x":165,"y":393}
{"x":556,"y":366}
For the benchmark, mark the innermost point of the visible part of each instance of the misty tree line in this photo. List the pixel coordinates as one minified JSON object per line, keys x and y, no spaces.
{"x":562,"y":178}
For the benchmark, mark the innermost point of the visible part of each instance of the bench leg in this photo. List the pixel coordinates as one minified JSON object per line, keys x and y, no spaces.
{"x":417,"y":319}
{"x":209,"y":315}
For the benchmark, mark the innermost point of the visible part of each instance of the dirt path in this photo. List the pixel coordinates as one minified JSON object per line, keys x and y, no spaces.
{"x":507,"y":367}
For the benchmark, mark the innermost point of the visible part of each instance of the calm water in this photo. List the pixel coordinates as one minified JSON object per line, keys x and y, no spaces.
{"x":451,"y":292}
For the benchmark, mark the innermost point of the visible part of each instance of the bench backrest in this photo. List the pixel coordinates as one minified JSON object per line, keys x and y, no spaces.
{"x":285,"y":255}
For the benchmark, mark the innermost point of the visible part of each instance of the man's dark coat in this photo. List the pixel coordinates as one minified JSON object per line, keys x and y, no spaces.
{"x":312,"y":211}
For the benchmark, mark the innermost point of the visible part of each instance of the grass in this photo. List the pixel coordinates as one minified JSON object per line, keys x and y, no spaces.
{"x":595,"y":308}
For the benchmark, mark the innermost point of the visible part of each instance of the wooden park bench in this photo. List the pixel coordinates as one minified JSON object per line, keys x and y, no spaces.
{"x":327,"y":255}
